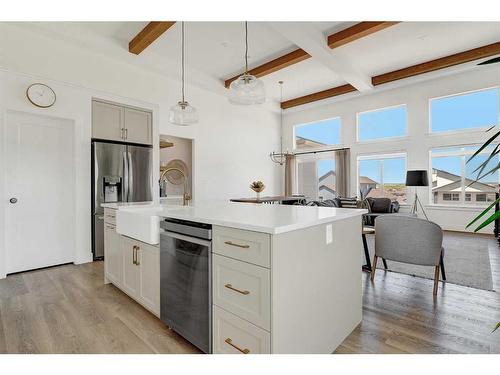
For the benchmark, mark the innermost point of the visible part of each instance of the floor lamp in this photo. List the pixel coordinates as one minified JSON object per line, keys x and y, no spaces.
{"x":417,"y":178}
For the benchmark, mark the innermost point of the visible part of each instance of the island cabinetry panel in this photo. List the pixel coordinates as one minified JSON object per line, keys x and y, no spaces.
{"x":242,"y":289}
{"x":248,"y":246}
{"x":149,"y":266}
{"x":134,"y":267}
{"x":316,"y":287}
{"x":131,"y":271}
{"x":113,"y":260}
{"x":233,"y":335}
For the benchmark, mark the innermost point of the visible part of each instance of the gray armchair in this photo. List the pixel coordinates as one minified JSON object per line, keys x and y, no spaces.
{"x":409,"y":240}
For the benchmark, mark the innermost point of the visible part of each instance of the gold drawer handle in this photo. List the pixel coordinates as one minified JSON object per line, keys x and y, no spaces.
{"x":237,"y":245}
{"x":229,"y":286}
{"x":230,"y":342}
{"x":137,"y":263}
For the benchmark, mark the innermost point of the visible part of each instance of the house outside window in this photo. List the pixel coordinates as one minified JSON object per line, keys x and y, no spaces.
{"x":318,"y":134}
{"x":383,"y":175}
{"x":454,"y":178}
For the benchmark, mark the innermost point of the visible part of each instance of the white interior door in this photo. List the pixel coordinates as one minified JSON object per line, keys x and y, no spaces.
{"x":39,"y":187}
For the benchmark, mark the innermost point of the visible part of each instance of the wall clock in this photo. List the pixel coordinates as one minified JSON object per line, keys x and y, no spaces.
{"x":41,"y":95}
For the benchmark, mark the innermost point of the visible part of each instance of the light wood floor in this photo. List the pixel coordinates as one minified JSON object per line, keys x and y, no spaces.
{"x":68,"y":309}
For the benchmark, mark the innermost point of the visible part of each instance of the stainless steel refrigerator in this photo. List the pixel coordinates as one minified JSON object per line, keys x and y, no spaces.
{"x":120,"y":173}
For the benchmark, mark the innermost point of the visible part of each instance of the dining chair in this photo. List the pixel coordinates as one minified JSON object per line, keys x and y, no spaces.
{"x":410,"y":240}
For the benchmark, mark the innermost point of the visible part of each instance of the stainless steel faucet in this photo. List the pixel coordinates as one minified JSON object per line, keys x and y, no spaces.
{"x":185,"y":196}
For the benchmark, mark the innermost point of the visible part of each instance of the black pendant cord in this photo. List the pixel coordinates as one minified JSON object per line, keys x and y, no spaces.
{"x":182,"y":59}
{"x":246,"y":47}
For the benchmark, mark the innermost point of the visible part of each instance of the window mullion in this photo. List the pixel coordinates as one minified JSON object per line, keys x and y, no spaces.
{"x":462,"y":197}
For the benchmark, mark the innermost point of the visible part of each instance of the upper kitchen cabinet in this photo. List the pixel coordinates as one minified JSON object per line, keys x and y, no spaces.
{"x":118,"y":123}
{"x":137,"y":126}
{"x":107,"y":121}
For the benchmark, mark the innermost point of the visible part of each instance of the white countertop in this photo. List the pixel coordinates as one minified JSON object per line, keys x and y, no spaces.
{"x":118,"y":205}
{"x":266,"y":218}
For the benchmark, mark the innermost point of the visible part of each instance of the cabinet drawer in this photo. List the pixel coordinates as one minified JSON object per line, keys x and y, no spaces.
{"x":233,"y":335}
{"x":110,"y":216}
{"x":242,"y":289}
{"x":251,"y":247}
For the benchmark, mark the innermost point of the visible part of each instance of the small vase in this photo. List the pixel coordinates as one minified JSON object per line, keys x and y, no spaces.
{"x":258,"y":195}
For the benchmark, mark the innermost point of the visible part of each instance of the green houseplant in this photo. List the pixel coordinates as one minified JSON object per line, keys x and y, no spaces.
{"x":488,"y":215}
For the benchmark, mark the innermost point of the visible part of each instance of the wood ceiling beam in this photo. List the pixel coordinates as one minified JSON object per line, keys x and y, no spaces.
{"x":426,"y":67}
{"x":441,"y":63}
{"x":342,"y":37}
{"x":279,"y":63}
{"x":148,"y":35}
{"x":335,"y":91}
{"x":356,"y":32}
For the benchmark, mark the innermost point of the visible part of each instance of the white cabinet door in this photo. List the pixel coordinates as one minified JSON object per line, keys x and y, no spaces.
{"x":107,"y":121}
{"x":131,"y":270}
{"x":233,"y":335}
{"x":137,"y":126}
{"x":113,"y":255}
{"x":149,"y":291}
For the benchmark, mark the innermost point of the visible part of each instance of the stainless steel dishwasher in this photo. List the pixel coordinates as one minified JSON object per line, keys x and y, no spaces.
{"x":185,"y":281}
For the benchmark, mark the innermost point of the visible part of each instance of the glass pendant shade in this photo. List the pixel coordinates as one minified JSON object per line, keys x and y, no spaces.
{"x":247,"y":89}
{"x":183,"y":114}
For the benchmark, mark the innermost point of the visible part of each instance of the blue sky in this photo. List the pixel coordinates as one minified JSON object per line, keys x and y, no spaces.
{"x":473,"y":110}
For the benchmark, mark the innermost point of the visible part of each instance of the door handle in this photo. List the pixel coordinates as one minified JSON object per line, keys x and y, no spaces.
{"x":126,"y":133}
{"x":137,"y":263}
{"x":133,"y":254}
{"x":13,"y":200}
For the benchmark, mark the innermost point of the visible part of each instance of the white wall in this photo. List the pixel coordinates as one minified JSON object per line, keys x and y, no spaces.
{"x":231,"y":143}
{"x":418,"y":141}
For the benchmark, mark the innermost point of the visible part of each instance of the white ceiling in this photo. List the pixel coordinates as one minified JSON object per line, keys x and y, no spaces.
{"x":216,"y":49}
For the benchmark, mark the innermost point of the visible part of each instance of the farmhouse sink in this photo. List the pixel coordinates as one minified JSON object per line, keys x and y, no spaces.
{"x":140,"y":223}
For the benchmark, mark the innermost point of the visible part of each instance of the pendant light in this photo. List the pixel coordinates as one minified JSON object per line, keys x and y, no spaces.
{"x":182,"y":113}
{"x":280,"y":157}
{"x":247,"y":89}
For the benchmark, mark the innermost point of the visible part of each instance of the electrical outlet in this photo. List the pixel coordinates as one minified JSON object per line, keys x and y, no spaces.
{"x":329,"y":234}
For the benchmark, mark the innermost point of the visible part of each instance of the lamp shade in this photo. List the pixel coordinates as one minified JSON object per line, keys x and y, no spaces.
{"x":417,"y":178}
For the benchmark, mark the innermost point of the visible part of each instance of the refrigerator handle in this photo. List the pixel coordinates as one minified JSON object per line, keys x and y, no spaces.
{"x":130,"y":177}
{"x":125,"y":178}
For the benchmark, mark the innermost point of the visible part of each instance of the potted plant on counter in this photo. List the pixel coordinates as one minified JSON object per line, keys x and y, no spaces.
{"x":258,"y":187}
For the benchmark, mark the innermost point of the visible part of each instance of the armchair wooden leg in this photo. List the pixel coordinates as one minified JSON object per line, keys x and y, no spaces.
{"x":436,"y":280}
{"x":374,"y":267}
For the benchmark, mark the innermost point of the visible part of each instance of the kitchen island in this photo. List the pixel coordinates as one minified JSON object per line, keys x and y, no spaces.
{"x":285,"y":279}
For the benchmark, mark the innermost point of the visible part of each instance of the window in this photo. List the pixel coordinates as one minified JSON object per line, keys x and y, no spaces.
{"x":318,"y":134}
{"x":382,"y":123}
{"x":454,"y":178}
{"x":382,"y":176}
{"x":465,"y":111}
{"x":480,"y":197}
{"x":316,"y":177}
